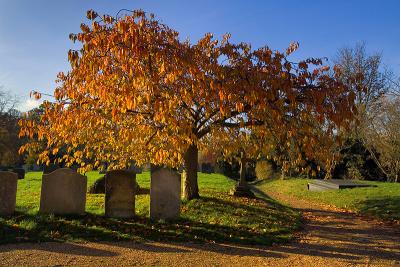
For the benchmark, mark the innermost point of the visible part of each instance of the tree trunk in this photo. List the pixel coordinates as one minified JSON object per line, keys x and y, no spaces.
{"x":191,"y":189}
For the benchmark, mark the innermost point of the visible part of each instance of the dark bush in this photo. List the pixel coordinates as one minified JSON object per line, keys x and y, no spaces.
{"x":99,"y":187}
{"x":207,"y":167}
{"x":50,"y":168}
{"x":20,"y":172}
{"x":357,"y":163}
{"x":232,"y":169}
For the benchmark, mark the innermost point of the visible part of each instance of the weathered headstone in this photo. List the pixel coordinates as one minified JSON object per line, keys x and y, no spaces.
{"x":8,"y":192}
{"x":63,"y":192}
{"x":165,"y":191}
{"x":120,"y":194}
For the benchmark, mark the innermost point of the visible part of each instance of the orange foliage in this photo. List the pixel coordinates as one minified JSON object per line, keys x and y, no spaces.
{"x":136,"y":92}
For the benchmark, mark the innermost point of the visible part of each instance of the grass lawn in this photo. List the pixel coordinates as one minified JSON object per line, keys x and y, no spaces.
{"x":382,"y":201}
{"x":216,"y":216}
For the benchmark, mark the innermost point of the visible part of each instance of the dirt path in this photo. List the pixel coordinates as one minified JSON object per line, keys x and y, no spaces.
{"x":330,"y":238}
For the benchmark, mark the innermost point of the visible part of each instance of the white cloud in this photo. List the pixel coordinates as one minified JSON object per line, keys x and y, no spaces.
{"x":29,"y":104}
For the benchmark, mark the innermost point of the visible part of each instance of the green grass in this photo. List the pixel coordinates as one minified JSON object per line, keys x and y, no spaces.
{"x":382,"y":201}
{"x":216,"y":216}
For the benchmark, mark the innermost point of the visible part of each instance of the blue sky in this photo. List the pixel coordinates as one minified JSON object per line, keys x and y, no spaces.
{"x":34,"y":33}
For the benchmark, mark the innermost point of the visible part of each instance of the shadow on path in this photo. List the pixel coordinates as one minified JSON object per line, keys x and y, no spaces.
{"x":64,"y":248}
{"x":339,"y":234}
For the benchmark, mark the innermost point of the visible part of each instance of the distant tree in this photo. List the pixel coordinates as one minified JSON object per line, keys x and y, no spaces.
{"x":365,"y":75}
{"x":9,"y":129}
{"x":8,"y":101}
{"x":382,"y":135}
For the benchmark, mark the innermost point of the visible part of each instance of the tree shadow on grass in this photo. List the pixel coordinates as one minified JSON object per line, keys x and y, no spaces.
{"x":139,"y":230}
{"x":192,"y":227}
{"x":186,"y":234}
{"x":386,"y":208}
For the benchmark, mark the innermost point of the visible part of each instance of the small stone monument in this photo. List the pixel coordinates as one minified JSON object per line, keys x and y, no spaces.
{"x":165,"y":191}
{"x":63,"y":192}
{"x":8,"y":192}
{"x":120,"y":194}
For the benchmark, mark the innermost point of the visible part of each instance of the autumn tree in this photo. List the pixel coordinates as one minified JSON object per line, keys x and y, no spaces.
{"x":135,"y":92}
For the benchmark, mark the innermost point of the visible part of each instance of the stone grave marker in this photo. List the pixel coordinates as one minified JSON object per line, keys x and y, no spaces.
{"x":120,"y":194}
{"x":165,"y":191}
{"x":8,"y":192}
{"x":63,"y":192}
{"x":334,"y":184}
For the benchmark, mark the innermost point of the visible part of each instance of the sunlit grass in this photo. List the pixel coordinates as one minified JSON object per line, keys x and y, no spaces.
{"x":382,"y":201}
{"x":216,"y":216}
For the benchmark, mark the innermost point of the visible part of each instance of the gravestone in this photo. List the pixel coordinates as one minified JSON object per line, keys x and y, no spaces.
{"x":334,"y":184}
{"x":165,"y":191}
{"x":8,"y":192}
{"x":19,"y":171}
{"x":120,"y":194}
{"x":63,"y":192}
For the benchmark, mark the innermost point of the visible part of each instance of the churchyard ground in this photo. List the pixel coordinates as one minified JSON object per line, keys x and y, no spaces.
{"x":216,"y":217}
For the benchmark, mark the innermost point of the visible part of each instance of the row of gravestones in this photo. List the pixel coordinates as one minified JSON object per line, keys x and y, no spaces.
{"x":64,"y":192}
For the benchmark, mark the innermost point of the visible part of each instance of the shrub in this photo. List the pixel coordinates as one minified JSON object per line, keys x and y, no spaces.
{"x":353,"y":174}
{"x":354,"y":155}
{"x":99,"y":187}
{"x":264,"y":170}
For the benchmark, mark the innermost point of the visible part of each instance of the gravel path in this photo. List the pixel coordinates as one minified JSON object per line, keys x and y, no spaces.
{"x":331,"y":238}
